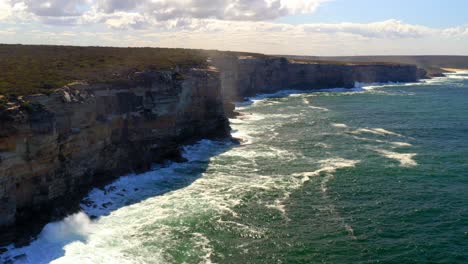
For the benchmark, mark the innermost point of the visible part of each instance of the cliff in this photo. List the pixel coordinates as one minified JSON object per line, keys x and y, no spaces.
{"x":248,"y":76}
{"x":54,"y":148}
{"x":433,"y":65}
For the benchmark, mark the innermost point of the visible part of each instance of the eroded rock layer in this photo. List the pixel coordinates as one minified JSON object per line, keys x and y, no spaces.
{"x":56,"y":147}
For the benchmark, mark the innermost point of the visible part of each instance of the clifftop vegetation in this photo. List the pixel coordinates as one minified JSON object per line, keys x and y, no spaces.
{"x":26,"y":69}
{"x":32,"y":69}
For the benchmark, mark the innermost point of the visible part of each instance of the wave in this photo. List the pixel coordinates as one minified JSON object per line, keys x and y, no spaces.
{"x":371,"y":86}
{"x":293,"y":93}
{"x":126,"y":198}
{"x":53,"y":238}
{"x":259,"y":97}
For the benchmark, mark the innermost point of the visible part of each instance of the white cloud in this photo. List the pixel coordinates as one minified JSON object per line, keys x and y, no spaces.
{"x":54,"y":8}
{"x":126,"y":20}
{"x":208,"y":15}
{"x":163,"y":10}
{"x":246,"y":25}
{"x":5,"y":10}
{"x":461,"y":31}
{"x":386,"y":29}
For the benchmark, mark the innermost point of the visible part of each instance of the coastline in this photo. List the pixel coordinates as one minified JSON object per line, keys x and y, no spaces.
{"x":152,"y":115}
{"x":36,"y":229}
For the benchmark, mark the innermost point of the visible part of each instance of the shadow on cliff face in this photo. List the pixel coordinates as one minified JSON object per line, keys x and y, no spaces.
{"x":125,"y":191}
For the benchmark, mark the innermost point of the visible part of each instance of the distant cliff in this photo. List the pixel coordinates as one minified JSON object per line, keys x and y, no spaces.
{"x":433,"y":65}
{"x":54,"y":148}
{"x":248,"y":76}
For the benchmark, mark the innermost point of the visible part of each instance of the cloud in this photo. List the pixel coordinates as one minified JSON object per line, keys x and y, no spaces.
{"x":247,"y":25}
{"x":386,"y":29}
{"x":54,"y":8}
{"x":164,"y":10}
{"x":6,"y":10}
{"x":110,"y":6}
{"x":390,"y":29}
{"x":126,"y":21}
{"x":207,"y":15}
{"x":461,"y":31}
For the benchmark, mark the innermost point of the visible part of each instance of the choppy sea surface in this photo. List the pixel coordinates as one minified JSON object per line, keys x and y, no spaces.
{"x":378,"y":174}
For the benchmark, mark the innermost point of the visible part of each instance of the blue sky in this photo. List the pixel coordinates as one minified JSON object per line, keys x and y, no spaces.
{"x":302,"y":27}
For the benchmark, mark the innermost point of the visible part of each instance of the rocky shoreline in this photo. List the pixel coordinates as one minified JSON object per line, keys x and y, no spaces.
{"x":55,"y":148}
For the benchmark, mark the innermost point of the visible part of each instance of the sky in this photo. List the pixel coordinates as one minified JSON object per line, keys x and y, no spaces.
{"x":296,"y":27}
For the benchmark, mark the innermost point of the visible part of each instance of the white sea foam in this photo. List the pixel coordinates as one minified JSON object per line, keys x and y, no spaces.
{"x":260,"y":97}
{"x":48,"y":246}
{"x":460,"y":75}
{"x":405,"y":159}
{"x":338,"y":125}
{"x":330,"y":166}
{"x":327,"y":166}
{"x":307,"y":102}
{"x":76,"y":226}
{"x":393,"y":143}
{"x":377,"y":131}
{"x":318,"y":108}
{"x":322,"y":145}
{"x":372,"y":86}
{"x":202,"y":243}
{"x":247,"y":117}
{"x":243,"y":137}
{"x":401,"y":144}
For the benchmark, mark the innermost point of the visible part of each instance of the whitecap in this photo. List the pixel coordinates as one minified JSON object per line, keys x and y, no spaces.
{"x":377,"y":131}
{"x":401,"y":144}
{"x":338,"y":125}
{"x":405,"y":159}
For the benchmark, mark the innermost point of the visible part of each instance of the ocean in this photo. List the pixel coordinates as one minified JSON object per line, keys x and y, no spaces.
{"x":376,"y":174}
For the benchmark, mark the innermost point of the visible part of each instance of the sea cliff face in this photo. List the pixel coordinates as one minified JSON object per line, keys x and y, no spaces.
{"x":248,"y":76}
{"x":54,"y":148}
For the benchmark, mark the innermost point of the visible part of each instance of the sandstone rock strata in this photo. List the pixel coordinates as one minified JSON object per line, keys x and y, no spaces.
{"x":56,"y":147}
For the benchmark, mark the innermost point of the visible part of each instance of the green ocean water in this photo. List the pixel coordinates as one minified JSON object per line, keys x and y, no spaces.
{"x":373,"y":175}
